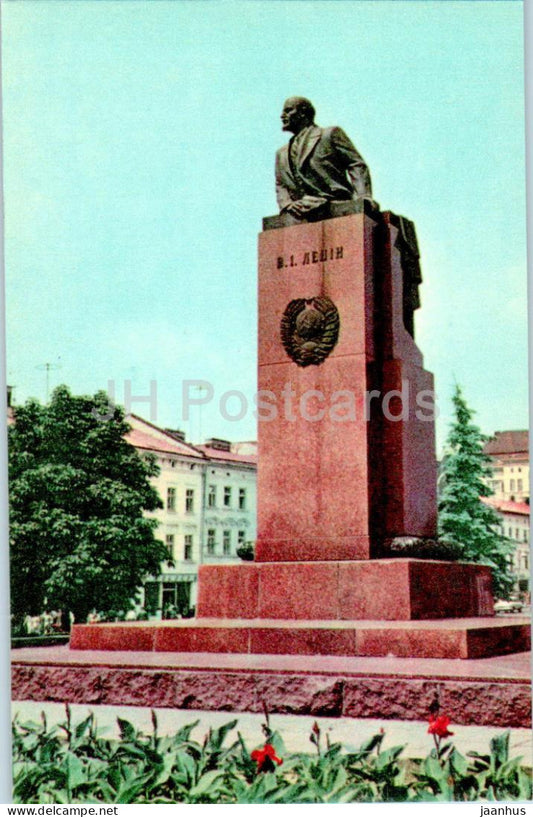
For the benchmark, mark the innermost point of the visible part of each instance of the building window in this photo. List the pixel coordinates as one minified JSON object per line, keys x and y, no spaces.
{"x":519,"y":485}
{"x":242,"y":499}
{"x":226,"y":542}
{"x":526,"y":561}
{"x":524,"y":532}
{"x":510,"y":533}
{"x":170,"y":545}
{"x":211,"y":541}
{"x":189,"y":500}
{"x":241,"y":537}
{"x":512,"y":486}
{"x":212,"y":496}
{"x":516,"y":533}
{"x":227,"y":496}
{"x":187,"y":550}
{"x":171,"y":499}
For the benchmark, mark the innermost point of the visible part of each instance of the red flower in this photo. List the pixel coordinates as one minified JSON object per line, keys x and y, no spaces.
{"x":265,"y":758}
{"x":439,"y":726}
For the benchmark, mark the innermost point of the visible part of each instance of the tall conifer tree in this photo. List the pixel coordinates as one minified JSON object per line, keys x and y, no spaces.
{"x":464,"y":520}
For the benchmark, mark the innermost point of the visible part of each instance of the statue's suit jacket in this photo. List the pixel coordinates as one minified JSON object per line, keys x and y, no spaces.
{"x":327,"y":166}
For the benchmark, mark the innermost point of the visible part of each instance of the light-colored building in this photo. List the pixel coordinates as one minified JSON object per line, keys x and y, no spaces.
{"x":209,"y":498}
{"x":515,"y":526}
{"x":230,"y":500}
{"x":509,"y":452}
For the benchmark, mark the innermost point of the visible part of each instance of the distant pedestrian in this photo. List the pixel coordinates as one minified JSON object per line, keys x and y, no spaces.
{"x":65,"y":621}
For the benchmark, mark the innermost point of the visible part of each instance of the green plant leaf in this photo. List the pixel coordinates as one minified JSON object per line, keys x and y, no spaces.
{"x":206,"y":782}
{"x":525,"y":788}
{"x":387,"y":757}
{"x":499,"y":747}
{"x":276,"y":740}
{"x":372,"y":743}
{"x":217,"y":736}
{"x":75,"y":771}
{"x":458,"y":762}
{"x":131,"y":788}
{"x":82,"y":727}
{"x":508,"y":769}
{"x":132,"y":750}
{"x":107,"y":792}
{"x":59,"y":796}
{"x":187,"y":764}
{"x":435,"y":772}
{"x":334,"y":751}
{"x":165,"y":771}
{"x":127,"y":730}
{"x":184,"y":734}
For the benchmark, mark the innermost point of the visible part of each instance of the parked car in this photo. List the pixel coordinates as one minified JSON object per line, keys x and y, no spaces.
{"x":508,"y":606}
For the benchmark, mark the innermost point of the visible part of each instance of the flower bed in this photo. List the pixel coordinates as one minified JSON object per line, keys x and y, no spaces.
{"x":74,"y":763}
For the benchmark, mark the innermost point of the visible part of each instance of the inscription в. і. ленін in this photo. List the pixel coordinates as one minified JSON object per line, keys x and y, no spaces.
{"x":311,"y":257}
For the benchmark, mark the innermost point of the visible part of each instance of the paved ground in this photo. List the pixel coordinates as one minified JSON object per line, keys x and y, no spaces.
{"x":295,"y":729}
{"x":516,"y":666}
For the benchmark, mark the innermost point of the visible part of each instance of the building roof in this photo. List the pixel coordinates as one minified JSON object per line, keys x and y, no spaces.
{"x":151,"y":438}
{"x":508,"y":442}
{"x":147,"y":441}
{"x":506,"y":506}
{"x":227,"y":456}
{"x":246,"y":447}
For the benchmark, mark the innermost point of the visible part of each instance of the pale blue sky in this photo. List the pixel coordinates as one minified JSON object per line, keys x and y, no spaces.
{"x":139,"y":142}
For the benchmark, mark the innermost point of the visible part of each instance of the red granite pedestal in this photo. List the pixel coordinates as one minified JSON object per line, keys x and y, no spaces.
{"x":346,"y":466}
{"x":388,"y":607}
{"x":346,"y":453}
{"x":384,"y":589}
{"x":440,"y":638}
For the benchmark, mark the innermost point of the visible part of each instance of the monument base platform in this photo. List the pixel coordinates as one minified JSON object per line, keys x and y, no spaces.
{"x":485,"y":692}
{"x":449,"y":638}
{"x":352,"y":590}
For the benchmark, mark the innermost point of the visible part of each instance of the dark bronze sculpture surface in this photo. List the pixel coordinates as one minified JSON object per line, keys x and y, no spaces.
{"x":320,"y":175}
{"x":407,"y":244}
{"x":318,"y":166}
{"x":309,"y":330}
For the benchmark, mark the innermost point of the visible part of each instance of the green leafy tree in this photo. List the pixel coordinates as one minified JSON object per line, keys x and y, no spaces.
{"x":78,"y":493}
{"x":465,"y":521}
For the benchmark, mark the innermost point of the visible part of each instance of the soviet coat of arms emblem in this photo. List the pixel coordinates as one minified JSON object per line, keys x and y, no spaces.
{"x":310,"y":330}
